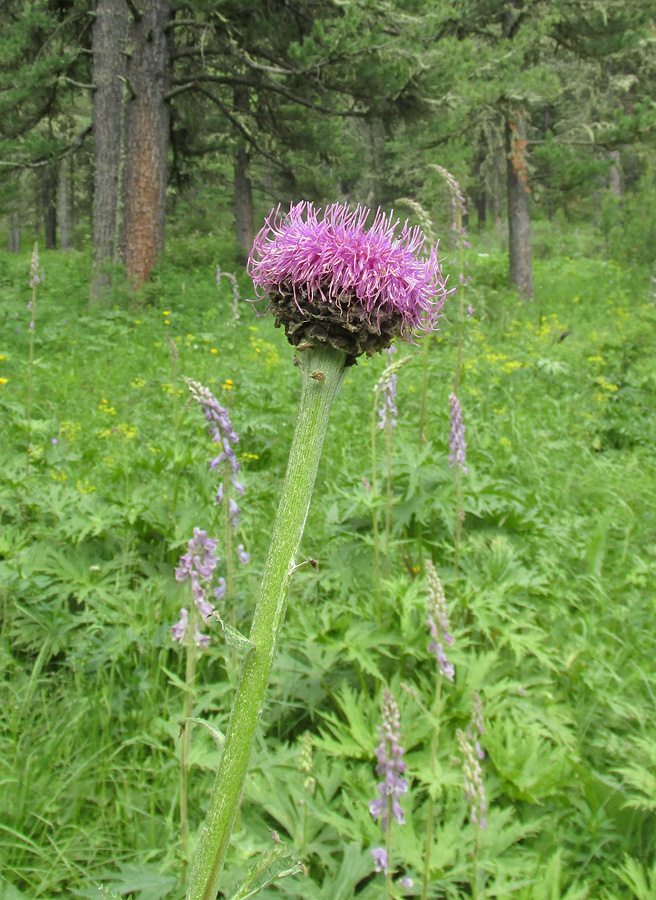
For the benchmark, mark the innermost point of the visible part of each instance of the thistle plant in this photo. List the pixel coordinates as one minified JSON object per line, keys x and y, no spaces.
{"x":387,"y":805}
{"x":34,"y":282}
{"x":339,"y":290}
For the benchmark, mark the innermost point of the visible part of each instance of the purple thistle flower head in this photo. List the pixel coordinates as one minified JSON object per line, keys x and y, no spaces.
{"x":329,"y":279}
{"x":457,"y":445}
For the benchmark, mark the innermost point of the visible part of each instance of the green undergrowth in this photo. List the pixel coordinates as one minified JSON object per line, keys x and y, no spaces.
{"x":552,"y":608}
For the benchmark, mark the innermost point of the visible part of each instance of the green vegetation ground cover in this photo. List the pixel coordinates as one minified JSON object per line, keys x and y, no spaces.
{"x":553,"y":610}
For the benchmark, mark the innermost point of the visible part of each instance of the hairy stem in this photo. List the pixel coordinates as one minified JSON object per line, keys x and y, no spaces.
{"x":322,"y":370}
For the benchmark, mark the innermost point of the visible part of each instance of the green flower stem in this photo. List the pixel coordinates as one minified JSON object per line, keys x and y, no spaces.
{"x":322,"y":370}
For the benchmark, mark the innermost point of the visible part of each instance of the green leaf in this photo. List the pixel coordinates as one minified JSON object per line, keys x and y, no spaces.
{"x":234,"y":638}
{"x":272,"y":866}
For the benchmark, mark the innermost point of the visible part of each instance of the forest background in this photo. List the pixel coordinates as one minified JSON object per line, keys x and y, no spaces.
{"x":141,"y":145}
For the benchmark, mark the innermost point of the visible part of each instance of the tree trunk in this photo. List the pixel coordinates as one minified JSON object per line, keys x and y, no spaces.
{"x":495,"y":199}
{"x":615,"y":173}
{"x":49,"y":204}
{"x":13,"y":233}
{"x":244,"y":231}
{"x":147,"y":140}
{"x":519,"y":221}
{"x":64,"y":203}
{"x":109,"y":68}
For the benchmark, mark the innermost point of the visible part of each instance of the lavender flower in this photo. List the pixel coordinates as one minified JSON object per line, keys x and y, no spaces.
{"x":474,"y":788}
{"x":221,"y":432}
{"x":457,"y":445}
{"x":244,"y":557}
{"x":178,"y":630}
{"x":219,"y":592}
{"x":330,"y":280}
{"x":438,"y":621}
{"x":197,"y":565}
{"x":380,"y":858}
{"x":201,"y":640}
{"x":389,"y":754}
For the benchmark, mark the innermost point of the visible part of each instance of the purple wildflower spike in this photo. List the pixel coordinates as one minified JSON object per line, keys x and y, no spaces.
{"x":219,"y":592}
{"x":457,"y":445}
{"x":474,"y":788}
{"x":459,"y":211}
{"x":197,"y":565}
{"x":235,"y":289}
{"x":388,"y":409}
{"x":389,"y":754}
{"x":330,"y":280}
{"x":438,"y":621}
{"x":477,"y":725}
{"x":221,"y":432}
{"x":34,"y":269}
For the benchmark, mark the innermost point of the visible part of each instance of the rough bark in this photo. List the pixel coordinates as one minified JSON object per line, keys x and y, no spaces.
{"x":64,"y":198}
{"x":13,"y":233}
{"x":243,"y":194}
{"x":519,"y":221}
{"x":615,"y":173}
{"x":109,"y":68}
{"x":49,"y":204}
{"x":496,"y":196}
{"x":147,"y":140}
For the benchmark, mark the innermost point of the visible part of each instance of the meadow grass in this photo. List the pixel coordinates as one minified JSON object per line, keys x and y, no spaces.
{"x":553,"y":611}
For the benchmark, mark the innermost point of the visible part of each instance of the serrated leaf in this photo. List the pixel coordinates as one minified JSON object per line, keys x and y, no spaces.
{"x":275,"y":864}
{"x":234,"y":638}
{"x":216,"y":733}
